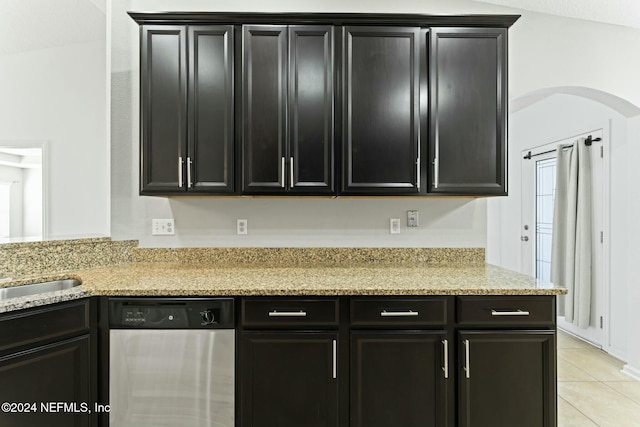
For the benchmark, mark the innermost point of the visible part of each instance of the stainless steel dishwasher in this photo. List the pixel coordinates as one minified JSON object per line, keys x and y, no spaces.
{"x":172,"y":362}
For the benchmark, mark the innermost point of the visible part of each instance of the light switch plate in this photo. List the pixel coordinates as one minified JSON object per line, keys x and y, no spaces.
{"x":394,"y":225}
{"x":412,"y":219}
{"x":163,"y":227}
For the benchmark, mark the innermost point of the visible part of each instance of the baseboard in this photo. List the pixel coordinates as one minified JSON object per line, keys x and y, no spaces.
{"x":631,"y":371}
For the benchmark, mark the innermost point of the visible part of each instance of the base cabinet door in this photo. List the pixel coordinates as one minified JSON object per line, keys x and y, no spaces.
{"x":398,"y":379}
{"x":42,"y":379}
{"x":506,"y":379}
{"x":288,"y":379}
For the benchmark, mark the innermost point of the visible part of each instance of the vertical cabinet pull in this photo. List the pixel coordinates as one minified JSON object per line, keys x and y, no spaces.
{"x":436,"y":172}
{"x":445,"y":368}
{"x":180,"y":162}
{"x":335,"y":359}
{"x":189,"y":163}
{"x":291,"y":171}
{"x":467,"y":367}
{"x":282,"y":173}
{"x":418,"y":173}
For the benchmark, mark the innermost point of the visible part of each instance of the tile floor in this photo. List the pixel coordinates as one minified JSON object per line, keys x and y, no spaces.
{"x":591,"y":389}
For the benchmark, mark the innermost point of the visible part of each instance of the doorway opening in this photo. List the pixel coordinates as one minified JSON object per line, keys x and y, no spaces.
{"x":538,"y":200}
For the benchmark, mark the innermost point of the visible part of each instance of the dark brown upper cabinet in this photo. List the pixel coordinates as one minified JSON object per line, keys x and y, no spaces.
{"x":381,"y":140}
{"x":288,"y":100}
{"x":186,"y":109}
{"x":468,"y":117}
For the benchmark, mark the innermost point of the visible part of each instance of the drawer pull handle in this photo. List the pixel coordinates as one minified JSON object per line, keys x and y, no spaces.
{"x":275,"y":313}
{"x":518,"y":312}
{"x":385,"y":313}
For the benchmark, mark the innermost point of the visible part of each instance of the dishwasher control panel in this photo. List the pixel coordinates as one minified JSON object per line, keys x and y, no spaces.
{"x":171,"y":313}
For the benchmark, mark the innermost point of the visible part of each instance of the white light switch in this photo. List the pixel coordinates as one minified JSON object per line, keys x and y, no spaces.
{"x":163,"y":227}
{"x":394,"y":225}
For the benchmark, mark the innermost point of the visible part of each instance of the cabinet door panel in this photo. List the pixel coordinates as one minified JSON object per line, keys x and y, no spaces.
{"x":468,"y":110}
{"x":211,"y":103}
{"x":311,"y":107}
{"x":264,"y":107}
{"x":397,"y":379}
{"x":381,"y":110}
{"x":53,"y":373}
{"x":163,"y":86}
{"x":511,"y":379}
{"x":287,"y":379}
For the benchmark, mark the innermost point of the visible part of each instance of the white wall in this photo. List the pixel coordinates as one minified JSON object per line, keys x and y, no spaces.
{"x":59,"y":95}
{"x":32,"y":202}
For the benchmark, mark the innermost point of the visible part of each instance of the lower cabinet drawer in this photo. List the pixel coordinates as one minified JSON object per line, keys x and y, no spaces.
{"x":289,"y":313}
{"x":510,"y":311}
{"x":404,"y":312}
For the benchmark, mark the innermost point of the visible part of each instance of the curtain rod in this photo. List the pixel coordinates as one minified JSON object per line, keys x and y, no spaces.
{"x":590,"y":140}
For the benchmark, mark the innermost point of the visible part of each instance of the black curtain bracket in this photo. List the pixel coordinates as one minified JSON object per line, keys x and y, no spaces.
{"x":588,"y":141}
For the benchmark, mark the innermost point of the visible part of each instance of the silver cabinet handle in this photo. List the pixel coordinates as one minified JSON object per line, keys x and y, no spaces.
{"x":291,"y":171}
{"x":335,"y":359}
{"x":189,"y":163}
{"x":518,"y":312}
{"x":275,"y":313}
{"x":385,"y":313}
{"x":418,"y":173}
{"x":282,"y":184}
{"x":180,"y":162}
{"x":445,"y":368}
{"x":467,"y":367}
{"x":436,"y":172}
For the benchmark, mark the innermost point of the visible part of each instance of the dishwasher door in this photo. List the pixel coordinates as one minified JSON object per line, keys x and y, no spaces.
{"x":172,"y":378}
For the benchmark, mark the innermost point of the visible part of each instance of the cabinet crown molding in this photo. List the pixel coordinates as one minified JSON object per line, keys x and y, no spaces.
{"x":400,"y":19}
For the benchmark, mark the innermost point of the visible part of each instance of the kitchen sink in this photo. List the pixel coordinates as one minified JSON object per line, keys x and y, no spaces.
{"x":37,"y":288}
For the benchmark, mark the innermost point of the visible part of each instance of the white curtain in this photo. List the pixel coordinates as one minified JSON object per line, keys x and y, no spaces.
{"x":572,"y":236}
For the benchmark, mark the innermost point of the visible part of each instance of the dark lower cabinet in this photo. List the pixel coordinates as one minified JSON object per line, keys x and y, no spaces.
{"x":507,"y":378}
{"x":48,"y":367}
{"x":288,"y":379}
{"x":42,"y":378}
{"x":397,"y":379}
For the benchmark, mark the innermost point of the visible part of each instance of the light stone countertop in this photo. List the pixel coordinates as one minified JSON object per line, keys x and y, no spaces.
{"x":194,"y":279}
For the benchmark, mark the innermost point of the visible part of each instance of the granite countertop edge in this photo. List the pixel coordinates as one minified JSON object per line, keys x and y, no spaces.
{"x":138,"y":280}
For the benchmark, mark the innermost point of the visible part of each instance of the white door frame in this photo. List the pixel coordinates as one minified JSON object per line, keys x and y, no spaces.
{"x":528,"y":204}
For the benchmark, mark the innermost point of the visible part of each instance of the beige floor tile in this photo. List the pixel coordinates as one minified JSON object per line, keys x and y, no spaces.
{"x":601,"y":404}
{"x":568,"y":372}
{"x":596,"y":363}
{"x":566,"y":340}
{"x":568,"y":416}
{"x":629,"y":389}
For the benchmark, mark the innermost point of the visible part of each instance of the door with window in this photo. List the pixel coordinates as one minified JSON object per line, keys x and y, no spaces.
{"x":538,"y":198}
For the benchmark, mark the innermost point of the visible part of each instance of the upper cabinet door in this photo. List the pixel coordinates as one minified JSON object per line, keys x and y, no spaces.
{"x":468,"y":111}
{"x":264,"y":101}
{"x":163,"y":88}
{"x":311,"y":109}
{"x":211,"y":138}
{"x":381,"y":111}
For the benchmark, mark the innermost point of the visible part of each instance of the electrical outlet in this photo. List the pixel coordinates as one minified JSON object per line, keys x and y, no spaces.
{"x":412,"y":219}
{"x":241,"y":226}
{"x":163,"y":227}
{"x":394,"y":225}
